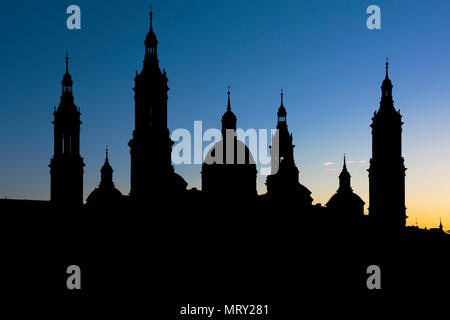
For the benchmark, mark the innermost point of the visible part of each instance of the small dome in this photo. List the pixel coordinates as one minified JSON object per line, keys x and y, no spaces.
{"x":151,"y":38}
{"x":67,"y":80}
{"x":281,"y":111}
{"x":344,"y":173}
{"x":106,"y":168}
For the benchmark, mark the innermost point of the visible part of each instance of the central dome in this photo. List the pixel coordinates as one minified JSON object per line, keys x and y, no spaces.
{"x":229,"y":169}
{"x":239,"y":154}
{"x":229,"y":173}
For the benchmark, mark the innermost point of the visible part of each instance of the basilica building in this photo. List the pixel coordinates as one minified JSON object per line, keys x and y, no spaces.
{"x":229,"y":171}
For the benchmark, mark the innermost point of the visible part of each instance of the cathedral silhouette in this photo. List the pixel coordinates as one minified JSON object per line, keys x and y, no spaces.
{"x":153,"y":175}
{"x":161,"y":216}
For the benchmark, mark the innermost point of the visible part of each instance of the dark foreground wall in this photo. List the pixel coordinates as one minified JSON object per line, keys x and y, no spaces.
{"x":153,"y":260}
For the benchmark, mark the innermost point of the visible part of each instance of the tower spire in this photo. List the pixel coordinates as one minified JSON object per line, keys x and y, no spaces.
{"x":67,"y":61}
{"x":281,"y":96}
{"x":228,"y":103}
{"x":67,"y":79}
{"x":228,"y":118}
{"x":387,"y":68}
{"x":345,"y":164}
{"x":151,"y":19}
{"x":386,"y":87}
{"x":151,"y":42}
{"x":106,"y":172}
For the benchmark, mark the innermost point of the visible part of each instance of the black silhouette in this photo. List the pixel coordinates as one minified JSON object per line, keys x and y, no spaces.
{"x":152,"y":172}
{"x":229,"y":170}
{"x":345,"y":201}
{"x":387,"y":169}
{"x":224,"y":242}
{"x":283,"y":184}
{"x":106,"y":195}
{"x":66,"y":166}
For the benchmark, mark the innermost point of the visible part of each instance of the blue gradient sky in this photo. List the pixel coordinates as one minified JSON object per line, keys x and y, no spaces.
{"x":329,"y":64}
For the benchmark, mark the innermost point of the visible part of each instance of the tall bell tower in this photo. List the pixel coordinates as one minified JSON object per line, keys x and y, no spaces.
{"x":387,"y":169}
{"x":152,"y":172}
{"x":66,"y":166}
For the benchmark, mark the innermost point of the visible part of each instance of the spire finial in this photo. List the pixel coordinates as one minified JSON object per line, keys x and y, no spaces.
{"x":345,"y":164}
{"x":106,"y":152}
{"x":440,"y":223}
{"x":229,"y":103}
{"x":151,"y":18}
{"x":281,"y":96}
{"x":67,"y":61}
{"x":387,"y":67}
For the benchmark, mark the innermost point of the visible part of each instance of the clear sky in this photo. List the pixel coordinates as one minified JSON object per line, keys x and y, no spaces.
{"x":320,"y":52}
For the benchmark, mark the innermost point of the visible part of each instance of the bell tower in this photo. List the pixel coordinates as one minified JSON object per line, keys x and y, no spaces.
{"x":284,"y":183}
{"x":387,"y":169}
{"x":66,"y":166}
{"x":152,"y":172}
